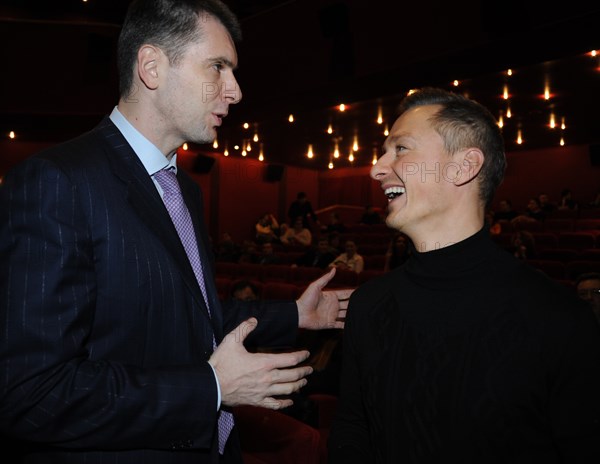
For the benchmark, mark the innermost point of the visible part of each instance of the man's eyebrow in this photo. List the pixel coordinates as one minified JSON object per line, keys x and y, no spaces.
{"x":221,"y":59}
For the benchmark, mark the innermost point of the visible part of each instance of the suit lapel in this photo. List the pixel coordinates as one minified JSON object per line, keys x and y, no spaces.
{"x":141,"y":193}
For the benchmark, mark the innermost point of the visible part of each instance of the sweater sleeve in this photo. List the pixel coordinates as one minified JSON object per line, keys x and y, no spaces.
{"x":349,"y":441}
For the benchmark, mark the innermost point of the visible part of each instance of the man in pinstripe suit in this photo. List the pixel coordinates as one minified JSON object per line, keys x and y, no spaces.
{"x":106,"y":353}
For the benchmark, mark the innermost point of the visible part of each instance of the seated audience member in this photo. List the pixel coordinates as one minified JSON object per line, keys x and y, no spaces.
{"x":248,"y":253}
{"x":335,"y":224}
{"x":297,"y":234}
{"x":370,"y":216}
{"x":548,"y":206}
{"x":244,"y":290}
{"x":505,"y":211}
{"x":495,"y":227}
{"x":227,"y":250}
{"x":397,"y":253}
{"x":335,"y":243}
{"x":268,"y":254}
{"x":588,"y":289}
{"x":350,"y":259}
{"x":319,"y":256}
{"x":533,"y":213}
{"x":523,"y":245}
{"x":567,"y":201}
{"x":267,"y":229}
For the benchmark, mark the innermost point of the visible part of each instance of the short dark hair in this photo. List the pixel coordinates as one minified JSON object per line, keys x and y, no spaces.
{"x":587,"y":276}
{"x":464,"y":123}
{"x":171,"y":25}
{"x":241,"y":285}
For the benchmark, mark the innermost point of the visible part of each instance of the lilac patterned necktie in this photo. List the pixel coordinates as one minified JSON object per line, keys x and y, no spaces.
{"x":182,"y":221}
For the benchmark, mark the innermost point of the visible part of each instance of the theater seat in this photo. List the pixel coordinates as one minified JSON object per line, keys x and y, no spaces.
{"x":272,"y":437}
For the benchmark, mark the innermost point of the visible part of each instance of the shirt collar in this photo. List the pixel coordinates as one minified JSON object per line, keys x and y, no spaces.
{"x":150,"y":156}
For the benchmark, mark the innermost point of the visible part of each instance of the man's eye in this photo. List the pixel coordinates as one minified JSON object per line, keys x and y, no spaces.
{"x":218,"y":66}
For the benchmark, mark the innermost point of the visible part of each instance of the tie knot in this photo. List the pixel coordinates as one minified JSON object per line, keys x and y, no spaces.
{"x":167,"y":180}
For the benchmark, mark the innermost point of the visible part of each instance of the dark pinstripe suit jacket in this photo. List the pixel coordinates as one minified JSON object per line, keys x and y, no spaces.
{"x":104,"y":332}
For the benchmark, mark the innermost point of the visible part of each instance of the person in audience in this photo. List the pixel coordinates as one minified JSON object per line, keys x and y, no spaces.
{"x":267,"y":229}
{"x":397,"y":252}
{"x":588,"y":289}
{"x":567,"y":201}
{"x":370,"y":216}
{"x":335,"y":243}
{"x":546,"y":205}
{"x":268,"y":254}
{"x":464,"y":354}
{"x":244,"y":290}
{"x":595,"y":203}
{"x":319,"y":256}
{"x":302,"y":207}
{"x":533,"y":213}
{"x":115,"y":347}
{"x":335,"y":224}
{"x":505,"y":211}
{"x":495,"y":227}
{"x":523,"y":245}
{"x":350,"y":259}
{"x":297,"y":235}
{"x":249,"y":252}
{"x":227,"y":250}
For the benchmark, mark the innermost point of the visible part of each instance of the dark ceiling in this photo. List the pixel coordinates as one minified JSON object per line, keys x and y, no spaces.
{"x":305,"y":57}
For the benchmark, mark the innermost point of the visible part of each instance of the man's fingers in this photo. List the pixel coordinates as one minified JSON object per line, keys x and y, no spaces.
{"x":275,"y":403}
{"x":343,"y":294}
{"x":240,"y":333}
{"x":290,"y":375}
{"x":282,"y":360}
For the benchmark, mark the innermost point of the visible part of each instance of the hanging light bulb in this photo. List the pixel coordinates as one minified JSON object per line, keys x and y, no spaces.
{"x":351,"y":157}
{"x":329,"y":129}
{"x":185,"y":146}
{"x":355,"y":143}
{"x":244,"y":153}
{"x":261,"y":156}
{"x":379,"y":115}
{"x":374,"y":161}
{"x":330,"y":165}
{"x":519,"y":137}
{"x":226,"y":151}
{"x":386,"y":131}
{"x":11,"y":135}
{"x":505,"y":92}
{"x":248,"y":146}
{"x":552,"y":122}
{"x":501,"y":120}
{"x":309,"y":153}
{"x":246,"y":125}
{"x":562,"y":123}
{"x":342,"y":107}
{"x":216,"y":144}
{"x":255,"y":138}
{"x":291,"y":118}
{"x":508,"y":112}
{"x":562,"y":142}
{"x":336,"y":151}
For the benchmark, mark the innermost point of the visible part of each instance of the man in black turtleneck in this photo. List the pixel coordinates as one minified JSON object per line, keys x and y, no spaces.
{"x":464,"y":354}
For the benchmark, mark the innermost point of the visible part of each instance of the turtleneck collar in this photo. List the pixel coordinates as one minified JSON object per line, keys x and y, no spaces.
{"x":451,"y":266}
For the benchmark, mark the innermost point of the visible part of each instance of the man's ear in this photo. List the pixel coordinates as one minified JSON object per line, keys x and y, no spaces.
{"x":471,"y":163}
{"x":148,"y":61}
